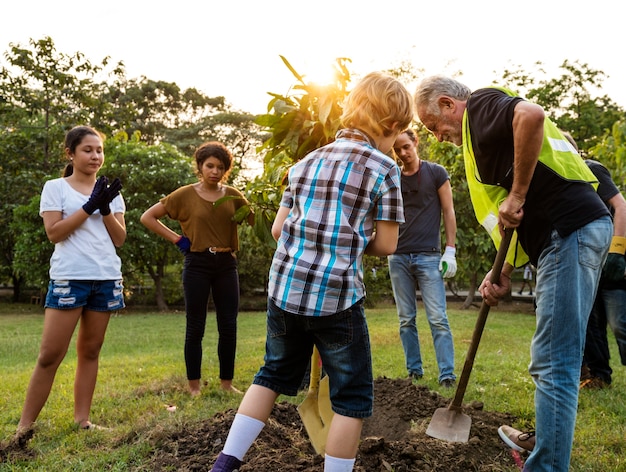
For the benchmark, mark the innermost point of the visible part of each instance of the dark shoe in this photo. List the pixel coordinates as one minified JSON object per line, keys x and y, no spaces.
{"x":415,"y":376}
{"x":226,"y":463}
{"x":594,"y":383}
{"x":519,"y":293}
{"x":585,"y":373}
{"x":518,"y":440}
{"x":530,"y":293}
{"x":448,"y":383}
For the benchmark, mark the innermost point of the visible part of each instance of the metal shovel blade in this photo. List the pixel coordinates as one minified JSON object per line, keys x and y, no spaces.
{"x":309,"y":409}
{"x":449,"y":425}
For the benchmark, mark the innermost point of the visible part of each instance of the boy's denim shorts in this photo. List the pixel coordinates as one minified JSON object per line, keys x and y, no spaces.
{"x":94,"y":295}
{"x":344,"y":345}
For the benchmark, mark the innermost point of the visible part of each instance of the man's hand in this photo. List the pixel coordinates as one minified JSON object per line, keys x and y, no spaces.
{"x":447,"y":263}
{"x":615,"y":265}
{"x":492,"y":293}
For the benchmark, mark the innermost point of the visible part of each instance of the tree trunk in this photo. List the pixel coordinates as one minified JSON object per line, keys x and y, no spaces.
{"x":157,"y":277}
{"x":17,"y":288}
{"x":471,"y":290}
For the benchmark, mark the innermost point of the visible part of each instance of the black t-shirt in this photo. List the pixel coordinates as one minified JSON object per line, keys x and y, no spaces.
{"x":552,"y":203}
{"x":606,"y":190}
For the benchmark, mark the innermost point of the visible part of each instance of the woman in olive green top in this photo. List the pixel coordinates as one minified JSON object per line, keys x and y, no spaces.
{"x":208,"y":242}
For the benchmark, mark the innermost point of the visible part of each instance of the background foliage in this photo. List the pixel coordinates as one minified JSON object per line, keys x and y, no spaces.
{"x":153,"y":127}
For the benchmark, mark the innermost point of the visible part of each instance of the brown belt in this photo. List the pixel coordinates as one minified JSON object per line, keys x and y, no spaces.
{"x":215,"y":250}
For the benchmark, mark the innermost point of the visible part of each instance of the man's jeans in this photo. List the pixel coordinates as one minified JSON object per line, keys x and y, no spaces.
{"x":609,"y":307}
{"x":407,"y":271}
{"x":567,"y":280}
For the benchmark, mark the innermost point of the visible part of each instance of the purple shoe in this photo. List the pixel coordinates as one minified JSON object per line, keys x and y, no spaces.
{"x":226,"y":463}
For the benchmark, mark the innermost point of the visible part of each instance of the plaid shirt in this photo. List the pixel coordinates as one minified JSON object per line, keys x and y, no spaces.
{"x":335,"y":194}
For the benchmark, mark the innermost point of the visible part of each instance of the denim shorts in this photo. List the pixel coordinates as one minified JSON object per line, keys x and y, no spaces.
{"x":344,"y":345}
{"x":94,"y":295}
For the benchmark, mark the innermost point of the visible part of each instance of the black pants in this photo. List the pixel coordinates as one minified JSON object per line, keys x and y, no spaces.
{"x":205,"y":273}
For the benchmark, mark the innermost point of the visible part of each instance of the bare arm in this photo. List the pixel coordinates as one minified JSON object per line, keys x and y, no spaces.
{"x":447,"y":209}
{"x":151,"y":220}
{"x":277,"y":226}
{"x":528,"y":121}
{"x":59,"y":229}
{"x":619,"y":218}
{"x":116,"y":226}
{"x":385,"y":239}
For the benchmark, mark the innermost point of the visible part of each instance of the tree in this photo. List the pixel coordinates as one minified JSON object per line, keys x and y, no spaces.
{"x":41,"y":91}
{"x":611,"y":151}
{"x":298,"y":123}
{"x":32,"y":247}
{"x":569,"y":99}
{"x":148,"y":173}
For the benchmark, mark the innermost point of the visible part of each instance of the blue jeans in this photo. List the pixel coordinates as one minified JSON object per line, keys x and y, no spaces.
{"x":608,"y":307}
{"x":344,"y":346}
{"x":568,"y":273}
{"x":94,"y":295}
{"x":407,"y":271}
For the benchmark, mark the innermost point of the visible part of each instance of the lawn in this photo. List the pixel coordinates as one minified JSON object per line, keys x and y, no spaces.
{"x":141,"y":390}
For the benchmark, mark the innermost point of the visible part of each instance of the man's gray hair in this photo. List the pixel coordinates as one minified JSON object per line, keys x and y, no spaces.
{"x":431,"y":88}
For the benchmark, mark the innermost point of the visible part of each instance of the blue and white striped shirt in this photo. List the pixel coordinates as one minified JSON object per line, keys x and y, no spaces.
{"x":335,"y":194}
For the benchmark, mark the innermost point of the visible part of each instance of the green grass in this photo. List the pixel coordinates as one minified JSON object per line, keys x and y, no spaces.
{"x":142,"y":372}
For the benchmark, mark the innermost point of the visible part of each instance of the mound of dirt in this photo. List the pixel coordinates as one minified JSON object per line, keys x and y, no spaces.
{"x":393,"y":439}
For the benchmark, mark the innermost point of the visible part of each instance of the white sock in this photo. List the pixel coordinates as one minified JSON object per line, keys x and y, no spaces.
{"x":335,"y":464}
{"x":242,"y":434}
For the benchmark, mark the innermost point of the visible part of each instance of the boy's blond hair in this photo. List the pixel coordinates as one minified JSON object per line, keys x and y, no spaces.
{"x":376,"y":103}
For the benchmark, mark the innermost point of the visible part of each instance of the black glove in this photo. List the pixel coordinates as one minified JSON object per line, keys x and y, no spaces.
{"x":112,"y":191}
{"x":98,"y":195}
{"x":614,"y":267}
{"x":184,"y":244}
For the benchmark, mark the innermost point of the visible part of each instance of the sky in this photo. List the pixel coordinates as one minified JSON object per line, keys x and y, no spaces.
{"x":232,"y":48}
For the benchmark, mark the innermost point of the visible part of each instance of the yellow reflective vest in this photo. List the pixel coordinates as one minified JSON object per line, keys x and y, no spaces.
{"x":557,"y":153}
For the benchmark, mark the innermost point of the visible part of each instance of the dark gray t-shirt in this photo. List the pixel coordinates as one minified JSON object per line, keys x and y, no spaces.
{"x":421,"y":231}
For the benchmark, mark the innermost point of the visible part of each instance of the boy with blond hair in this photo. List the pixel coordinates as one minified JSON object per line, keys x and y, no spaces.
{"x":341,"y":201}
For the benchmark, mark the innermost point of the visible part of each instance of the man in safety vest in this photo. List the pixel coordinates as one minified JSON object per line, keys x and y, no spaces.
{"x":522,"y":173}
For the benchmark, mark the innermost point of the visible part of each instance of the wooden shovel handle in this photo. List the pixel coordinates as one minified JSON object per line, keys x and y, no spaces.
{"x":480,"y":323}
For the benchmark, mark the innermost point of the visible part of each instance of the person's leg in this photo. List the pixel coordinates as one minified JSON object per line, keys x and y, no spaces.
{"x":58,"y":329}
{"x":434,"y":298}
{"x":197,"y":290}
{"x":344,"y":346}
{"x":91,"y":332}
{"x":403,"y":285}
{"x":615,"y":304}
{"x":225,"y":288}
{"x":596,"y":356}
{"x":567,"y":281}
{"x":287,"y":353}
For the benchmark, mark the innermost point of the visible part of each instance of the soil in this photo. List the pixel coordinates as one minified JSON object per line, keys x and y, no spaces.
{"x":393,"y":439}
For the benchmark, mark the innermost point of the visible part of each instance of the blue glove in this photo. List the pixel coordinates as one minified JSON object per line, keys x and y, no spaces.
{"x":98,"y":195}
{"x":184,"y":245}
{"x":447,"y":264}
{"x":112,"y":191}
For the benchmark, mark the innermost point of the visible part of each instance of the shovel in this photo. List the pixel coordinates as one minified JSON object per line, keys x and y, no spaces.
{"x":450,"y":424}
{"x":315,"y":410}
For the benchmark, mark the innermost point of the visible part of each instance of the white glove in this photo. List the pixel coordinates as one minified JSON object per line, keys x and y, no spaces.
{"x":447,"y":264}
